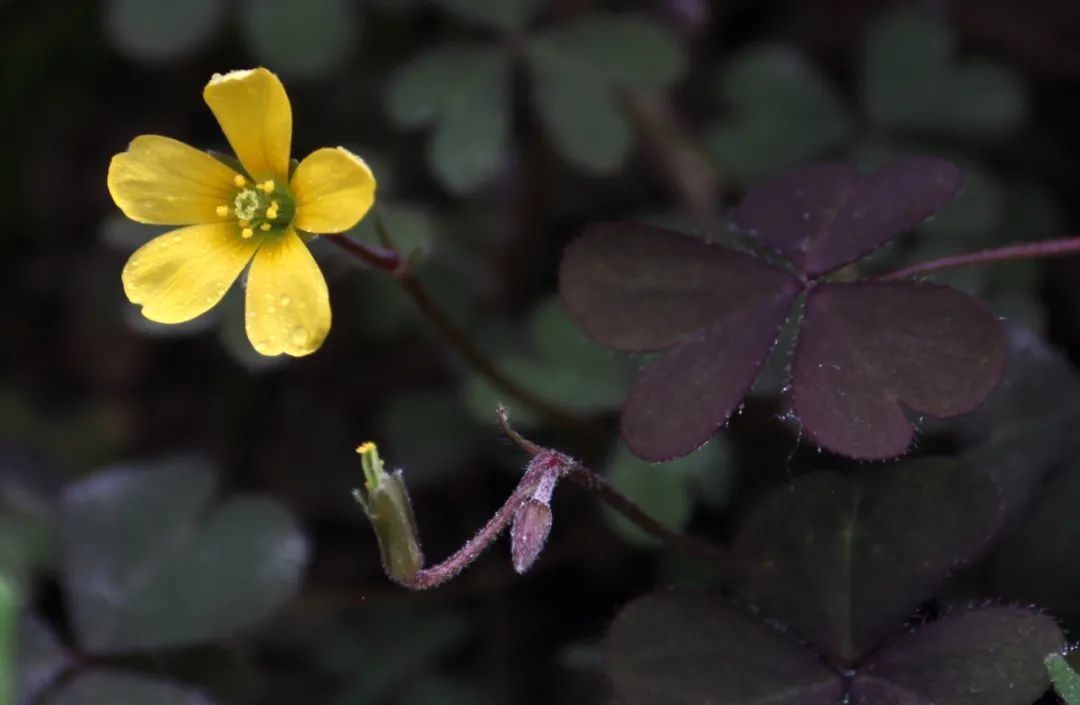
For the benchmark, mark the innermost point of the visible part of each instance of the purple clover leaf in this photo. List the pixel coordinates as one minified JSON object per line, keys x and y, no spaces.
{"x":868,"y":353}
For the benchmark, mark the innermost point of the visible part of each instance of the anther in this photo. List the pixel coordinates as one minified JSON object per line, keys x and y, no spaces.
{"x":246,"y":233}
{"x":239,"y":181}
{"x":266,"y":186}
{"x":272,"y":210}
{"x":222,"y":211}
{"x":264,"y":227}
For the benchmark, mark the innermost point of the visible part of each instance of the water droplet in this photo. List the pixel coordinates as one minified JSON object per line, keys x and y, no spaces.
{"x":299,"y":336}
{"x":250,"y":315}
{"x":271,"y":309}
{"x":178,"y":239}
{"x":284,"y":300}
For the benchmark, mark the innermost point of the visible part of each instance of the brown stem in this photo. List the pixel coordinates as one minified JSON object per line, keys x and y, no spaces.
{"x":689,"y":172}
{"x":391,"y":262}
{"x":1010,"y":253}
{"x":607,"y":492}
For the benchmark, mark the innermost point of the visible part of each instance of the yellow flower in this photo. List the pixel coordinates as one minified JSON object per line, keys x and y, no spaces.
{"x":234,"y":217}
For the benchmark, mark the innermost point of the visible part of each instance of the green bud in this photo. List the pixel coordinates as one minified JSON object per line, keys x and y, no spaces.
{"x":386,"y":503}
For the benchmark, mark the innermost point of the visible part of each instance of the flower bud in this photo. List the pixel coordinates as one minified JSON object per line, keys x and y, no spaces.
{"x":386,"y":503}
{"x":529,"y":533}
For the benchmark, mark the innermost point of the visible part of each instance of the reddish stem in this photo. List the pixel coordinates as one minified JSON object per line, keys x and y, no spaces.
{"x":1030,"y":250}
{"x":391,"y":262}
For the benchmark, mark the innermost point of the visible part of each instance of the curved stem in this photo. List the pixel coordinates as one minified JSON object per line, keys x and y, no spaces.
{"x":606,"y":492}
{"x":1011,"y":253}
{"x":390,"y":261}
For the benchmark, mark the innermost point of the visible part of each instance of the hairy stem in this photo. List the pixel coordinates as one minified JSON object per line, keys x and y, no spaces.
{"x":1010,"y":253}
{"x":390,"y":261}
{"x":606,"y":492}
{"x":545,"y":469}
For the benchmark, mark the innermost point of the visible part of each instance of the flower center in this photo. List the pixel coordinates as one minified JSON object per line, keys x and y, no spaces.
{"x":265,"y":207}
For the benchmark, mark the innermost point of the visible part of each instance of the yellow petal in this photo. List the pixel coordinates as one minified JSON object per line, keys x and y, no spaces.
{"x":254,"y":113}
{"x":288,"y":306}
{"x":165,"y":182}
{"x":333,"y":189}
{"x":182,"y":274}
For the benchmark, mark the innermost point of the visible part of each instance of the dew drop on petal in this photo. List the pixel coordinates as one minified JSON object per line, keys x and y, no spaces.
{"x":299,"y":336}
{"x":284,"y":300}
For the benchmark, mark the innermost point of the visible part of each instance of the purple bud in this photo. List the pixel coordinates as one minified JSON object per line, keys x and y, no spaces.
{"x":529,"y":532}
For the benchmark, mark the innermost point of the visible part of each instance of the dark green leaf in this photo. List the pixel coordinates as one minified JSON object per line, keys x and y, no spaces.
{"x":304,"y":38}
{"x":1066,"y":681}
{"x":499,"y":14}
{"x":586,"y":124}
{"x":623,"y":51}
{"x":162,"y":30}
{"x":687,"y":649}
{"x":1028,"y":424}
{"x":842,"y":562}
{"x":782,"y":111}
{"x":990,"y":656}
{"x":41,"y":658}
{"x":463,"y":92}
{"x":912,"y":81}
{"x":107,"y":686}
{"x":146,"y":566}
{"x":661,"y":490}
{"x":1038,"y":561}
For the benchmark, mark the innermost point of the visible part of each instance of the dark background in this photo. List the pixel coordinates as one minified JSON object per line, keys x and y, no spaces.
{"x":86,"y":384}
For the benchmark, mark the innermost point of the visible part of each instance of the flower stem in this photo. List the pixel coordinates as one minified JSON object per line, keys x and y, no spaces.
{"x":548,"y":466}
{"x":606,"y":492}
{"x":389,"y":260}
{"x":1011,"y":253}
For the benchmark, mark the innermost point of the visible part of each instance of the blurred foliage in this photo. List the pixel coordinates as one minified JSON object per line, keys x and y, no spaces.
{"x":498,"y":130}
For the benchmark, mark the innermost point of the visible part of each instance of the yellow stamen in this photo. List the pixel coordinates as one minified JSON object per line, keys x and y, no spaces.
{"x":266,"y":186}
{"x":222,"y":211}
{"x":239,"y":181}
{"x":272,"y":210}
{"x":365,"y":447}
{"x":264,"y":227}
{"x":246,"y":233}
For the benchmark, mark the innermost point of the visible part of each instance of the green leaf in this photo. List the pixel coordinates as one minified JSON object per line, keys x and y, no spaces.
{"x":499,"y":14}
{"x":109,"y":686}
{"x":410,"y":225}
{"x":10,"y":608}
{"x":425,"y":433}
{"x":566,"y":369}
{"x":680,"y":647}
{"x":660,"y":489}
{"x":1038,"y":561}
{"x":147,"y":564}
{"x":464,"y":94}
{"x":914,"y":82}
{"x":1027,"y":426}
{"x":41,"y":658}
{"x":302,"y":38}
{"x":1066,"y":681}
{"x":390,"y":645}
{"x":619,"y":51}
{"x":26,"y":545}
{"x":577,"y":70}
{"x":162,"y":30}
{"x":844,"y":562}
{"x":783,"y":112}
{"x":586,"y":124}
